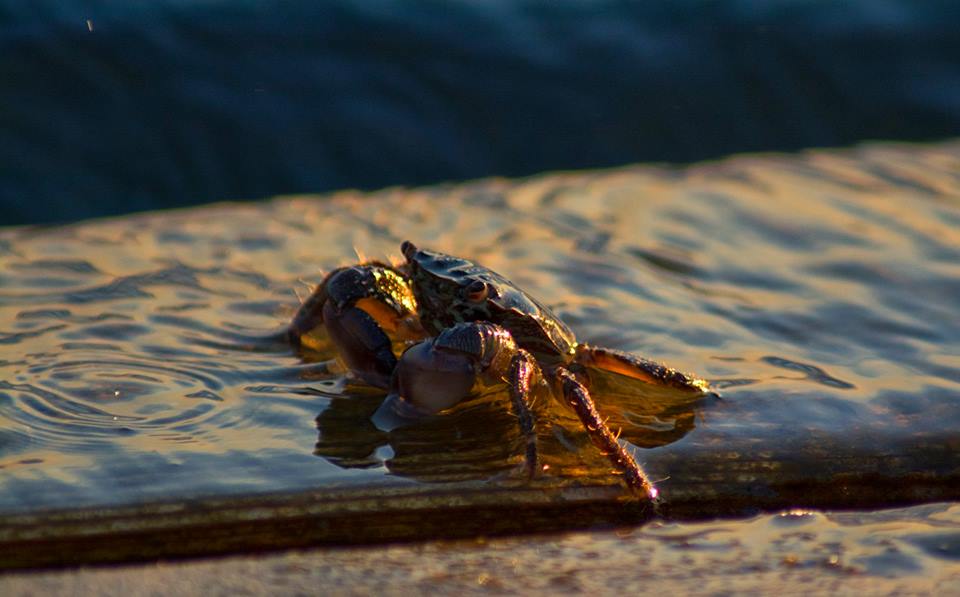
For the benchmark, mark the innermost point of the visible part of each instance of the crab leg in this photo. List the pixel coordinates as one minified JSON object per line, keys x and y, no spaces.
{"x":577,"y":396}
{"x":523,"y":372}
{"x":636,"y":367}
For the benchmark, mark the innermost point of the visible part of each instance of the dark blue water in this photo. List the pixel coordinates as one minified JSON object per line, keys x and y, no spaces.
{"x":110,"y":107}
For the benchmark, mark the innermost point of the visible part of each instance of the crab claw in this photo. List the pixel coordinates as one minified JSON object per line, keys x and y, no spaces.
{"x":428,"y":379}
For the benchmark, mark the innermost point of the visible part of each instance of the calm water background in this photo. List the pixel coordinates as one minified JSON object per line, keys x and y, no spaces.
{"x":110,"y":107}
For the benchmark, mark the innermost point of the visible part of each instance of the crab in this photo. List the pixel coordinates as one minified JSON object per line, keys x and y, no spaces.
{"x":464,"y":325}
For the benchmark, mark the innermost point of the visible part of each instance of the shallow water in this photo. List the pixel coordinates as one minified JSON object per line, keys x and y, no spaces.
{"x":817,"y":291}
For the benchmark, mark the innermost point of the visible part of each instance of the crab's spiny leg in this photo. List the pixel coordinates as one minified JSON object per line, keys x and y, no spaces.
{"x":523,"y":373}
{"x":577,"y":396}
{"x":636,"y":367}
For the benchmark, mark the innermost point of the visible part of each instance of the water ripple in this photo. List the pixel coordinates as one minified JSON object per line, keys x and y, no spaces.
{"x":810,"y":372}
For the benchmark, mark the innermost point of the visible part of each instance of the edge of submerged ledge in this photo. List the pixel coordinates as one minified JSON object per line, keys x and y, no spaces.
{"x":211,"y":526}
{"x":223,"y":525}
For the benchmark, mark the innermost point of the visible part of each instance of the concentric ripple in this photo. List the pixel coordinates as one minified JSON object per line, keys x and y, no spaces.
{"x":78,"y":405}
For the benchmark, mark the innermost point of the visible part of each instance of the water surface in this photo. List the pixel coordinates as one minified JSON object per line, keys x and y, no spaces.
{"x":817,"y":291}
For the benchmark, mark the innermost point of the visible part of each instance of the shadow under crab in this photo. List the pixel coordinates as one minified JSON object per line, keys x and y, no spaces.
{"x":467,"y":330}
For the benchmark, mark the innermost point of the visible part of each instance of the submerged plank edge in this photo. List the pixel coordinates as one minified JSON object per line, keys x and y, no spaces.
{"x":217,"y":526}
{"x":378,"y":514}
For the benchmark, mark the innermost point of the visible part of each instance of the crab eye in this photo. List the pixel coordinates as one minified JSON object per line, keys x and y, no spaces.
{"x":476,"y":291}
{"x":408,"y":249}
